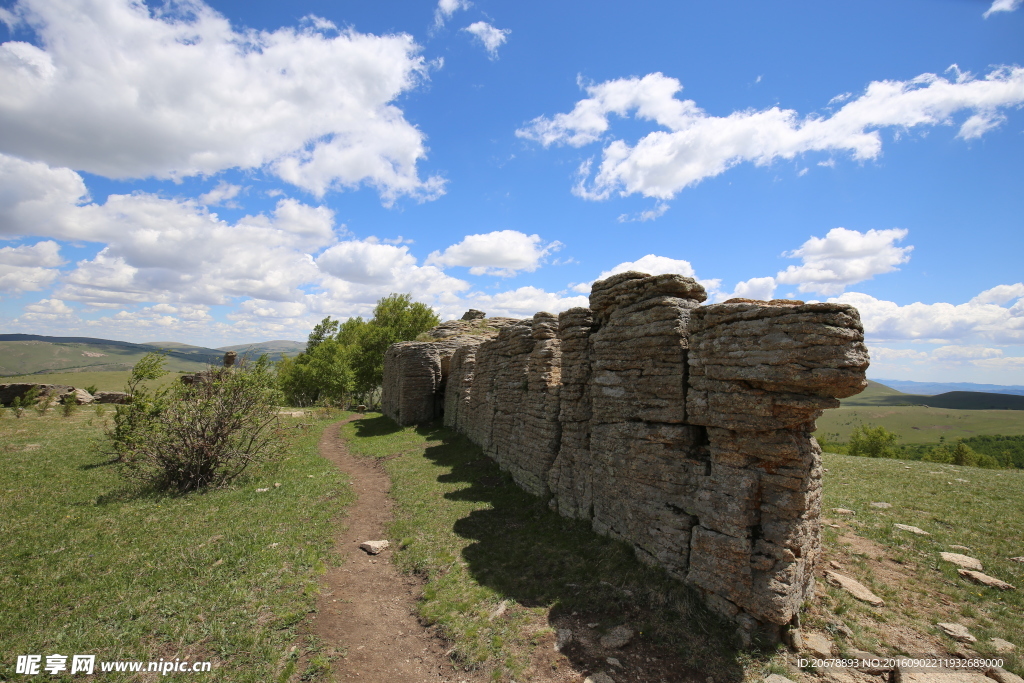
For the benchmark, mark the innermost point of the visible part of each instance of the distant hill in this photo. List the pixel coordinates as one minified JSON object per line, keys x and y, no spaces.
{"x":274,"y":349}
{"x":932,"y":388}
{"x":879,"y":395}
{"x":26,"y":354}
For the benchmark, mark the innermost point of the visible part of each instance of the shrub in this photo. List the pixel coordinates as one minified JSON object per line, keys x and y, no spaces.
{"x":92,"y":388}
{"x":68,"y":405}
{"x":873,"y":442}
{"x":191,"y":436}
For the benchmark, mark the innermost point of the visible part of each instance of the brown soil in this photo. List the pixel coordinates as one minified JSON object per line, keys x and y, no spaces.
{"x":366,"y":612}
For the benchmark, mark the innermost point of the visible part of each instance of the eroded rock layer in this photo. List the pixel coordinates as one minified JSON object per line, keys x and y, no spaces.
{"x":682,"y":429}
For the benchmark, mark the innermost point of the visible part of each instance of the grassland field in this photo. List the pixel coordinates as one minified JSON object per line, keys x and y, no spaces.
{"x":93,"y":565}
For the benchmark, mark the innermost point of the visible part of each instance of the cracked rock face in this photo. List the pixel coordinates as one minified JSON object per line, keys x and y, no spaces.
{"x":682,"y":429}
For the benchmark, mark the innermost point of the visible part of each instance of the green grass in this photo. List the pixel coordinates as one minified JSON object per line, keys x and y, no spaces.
{"x":921,"y":424}
{"x":29,"y":357}
{"x":481,"y":541}
{"x":112,"y":380}
{"x":93,"y":566}
{"x":980,"y":509}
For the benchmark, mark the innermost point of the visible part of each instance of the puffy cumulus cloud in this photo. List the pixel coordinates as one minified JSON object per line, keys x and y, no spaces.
{"x":366,"y":262}
{"x":30,"y":267}
{"x":653,"y":265}
{"x":222,"y":195}
{"x":844,"y":257}
{"x":446,"y":8}
{"x":502,"y":252}
{"x":46,"y":311}
{"x":693,"y":145}
{"x":1001,"y":6}
{"x":521,"y":303}
{"x":125,"y":90}
{"x":490,"y":37}
{"x":1000,"y":294}
{"x":762,"y":288}
{"x":939,"y":322}
{"x":954,"y":352}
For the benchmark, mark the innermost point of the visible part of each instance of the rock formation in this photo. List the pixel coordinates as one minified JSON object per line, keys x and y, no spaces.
{"x":680,"y":428}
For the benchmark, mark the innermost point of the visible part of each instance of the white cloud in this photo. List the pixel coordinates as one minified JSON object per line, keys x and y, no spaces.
{"x":652,"y":265}
{"x":446,"y":8}
{"x":365,"y":263}
{"x":881,"y":354}
{"x":1002,"y":6}
{"x":175,"y":91}
{"x":502,"y":252}
{"x":939,"y":322}
{"x":693,"y":145}
{"x":222,"y":195}
{"x":29,"y":268}
{"x":47,"y":310}
{"x":524,"y":302}
{"x":761,"y":288}
{"x":648,"y":215}
{"x":1000,"y":294}
{"x":491,"y":38}
{"x":844,"y":257}
{"x":954,"y":352}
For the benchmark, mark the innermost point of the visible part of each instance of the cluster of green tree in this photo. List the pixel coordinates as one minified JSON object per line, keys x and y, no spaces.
{"x":344,"y":361}
{"x":976,"y":451}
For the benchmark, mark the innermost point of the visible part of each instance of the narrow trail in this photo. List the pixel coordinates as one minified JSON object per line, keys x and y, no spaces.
{"x":367,"y":610}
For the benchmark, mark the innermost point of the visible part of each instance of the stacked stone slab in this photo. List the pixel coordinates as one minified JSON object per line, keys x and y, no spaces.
{"x":682,"y":429}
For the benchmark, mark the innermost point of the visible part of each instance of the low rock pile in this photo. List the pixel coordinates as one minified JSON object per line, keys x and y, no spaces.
{"x":682,"y":429}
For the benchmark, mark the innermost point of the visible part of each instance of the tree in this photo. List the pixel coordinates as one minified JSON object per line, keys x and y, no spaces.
{"x":873,"y":442}
{"x":190,"y":436}
{"x":396,"y":318}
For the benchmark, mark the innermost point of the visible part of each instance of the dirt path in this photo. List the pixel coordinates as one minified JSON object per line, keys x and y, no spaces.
{"x":367,"y":608}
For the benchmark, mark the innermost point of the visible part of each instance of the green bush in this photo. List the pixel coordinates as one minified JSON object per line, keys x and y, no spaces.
{"x":873,"y":442}
{"x":190,"y":436}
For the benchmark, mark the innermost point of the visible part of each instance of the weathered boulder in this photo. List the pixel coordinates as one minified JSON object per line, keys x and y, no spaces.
{"x":110,"y":397}
{"x":51,"y":392}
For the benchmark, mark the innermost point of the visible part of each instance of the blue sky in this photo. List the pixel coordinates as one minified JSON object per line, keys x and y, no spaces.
{"x":232,"y":172}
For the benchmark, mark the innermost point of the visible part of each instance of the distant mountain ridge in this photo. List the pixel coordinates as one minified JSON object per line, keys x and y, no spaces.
{"x":878,"y":395}
{"x":932,"y":388}
{"x":27,"y":354}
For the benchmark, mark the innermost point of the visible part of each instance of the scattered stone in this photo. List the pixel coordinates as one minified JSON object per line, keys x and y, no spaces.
{"x":843,"y":511}
{"x":906,"y":467}
{"x":835,"y":526}
{"x":962,"y":560}
{"x":869,"y":663}
{"x":262,"y":490}
{"x":563,"y":637}
{"x":818,"y":645}
{"x":835,"y":565}
{"x":960,"y":547}
{"x":881,"y":506}
{"x":776,"y":678}
{"x":500,"y":610}
{"x":905,"y":676}
{"x":911,"y":529}
{"x":1017,"y":559}
{"x":1002,"y":647}
{"x":854,"y":588}
{"x":985,"y":579}
{"x":599,"y":678}
{"x":374,"y":547}
{"x":794,"y":638}
{"x":614,"y":662}
{"x":617,"y":637}
{"x":962,"y":481}
{"x":110,"y":397}
{"x":1001,"y":675}
{"x":957,"y":632}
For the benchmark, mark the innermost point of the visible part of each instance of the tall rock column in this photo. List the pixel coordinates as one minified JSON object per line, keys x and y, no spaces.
{"x":643,"y":454}
{"x":760,"y":375}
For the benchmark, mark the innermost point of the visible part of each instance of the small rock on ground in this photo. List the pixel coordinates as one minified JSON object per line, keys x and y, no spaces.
{"x":881,"y":506}
{"x":960,"y":547}
{"x":985,"y":579}
{"x":912,"y":529}
{"x":818,"y":645}
{"x":374,"y":547}
{"x":1004,"y":676}
{"x":1003,"y":647}
{"x":964,"y":561}
{"x":562,"y":638}
{"x":957,"y":632}
{"x":599,"y":678}
{"x":854,"y":588}
{"x":843,"y":511}
{"x":617,"y":637}
{"x":1017,"y":559}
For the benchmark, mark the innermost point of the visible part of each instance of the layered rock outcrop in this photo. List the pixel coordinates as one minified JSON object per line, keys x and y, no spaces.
{"x":680,"y":428}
